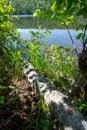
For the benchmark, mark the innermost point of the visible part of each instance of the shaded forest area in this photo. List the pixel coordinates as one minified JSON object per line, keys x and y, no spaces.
{"x":29,"y":6}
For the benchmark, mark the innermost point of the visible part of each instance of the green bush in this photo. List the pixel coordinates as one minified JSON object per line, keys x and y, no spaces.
{"x":57,"y":63}
{"x":10,"y":64}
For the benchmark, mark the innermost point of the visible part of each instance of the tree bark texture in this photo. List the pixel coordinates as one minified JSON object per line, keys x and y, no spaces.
{"x":79,"y":88}
{"x":61,"y":109}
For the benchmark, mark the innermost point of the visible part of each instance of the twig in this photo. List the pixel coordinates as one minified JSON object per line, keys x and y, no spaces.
{"x":84,"y":37}
{"x":72,"y":41}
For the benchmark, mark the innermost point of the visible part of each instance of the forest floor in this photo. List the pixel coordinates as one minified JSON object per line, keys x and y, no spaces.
{"x":20,"y":111}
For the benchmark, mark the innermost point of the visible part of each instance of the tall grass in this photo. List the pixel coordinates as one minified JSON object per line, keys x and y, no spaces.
{"x":57,"y":63}
{"x":10,"y":62}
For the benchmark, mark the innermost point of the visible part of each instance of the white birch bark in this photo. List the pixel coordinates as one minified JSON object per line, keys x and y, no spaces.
{"x":61,"y":109}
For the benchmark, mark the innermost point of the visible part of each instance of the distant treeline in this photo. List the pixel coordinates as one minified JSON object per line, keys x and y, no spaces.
{"x":28,"y":6}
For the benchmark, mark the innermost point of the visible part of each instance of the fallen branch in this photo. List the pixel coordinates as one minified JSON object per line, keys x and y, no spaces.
{"x":62,"y":111}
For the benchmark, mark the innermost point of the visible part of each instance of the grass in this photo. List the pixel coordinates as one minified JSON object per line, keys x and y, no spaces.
{"x":57,"y":63}
{"x":17,"y":110}
{"x":10,"y":62}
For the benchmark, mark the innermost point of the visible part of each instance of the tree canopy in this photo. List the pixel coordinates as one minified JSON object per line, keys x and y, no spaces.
{"x":64,"y":10}
{"x":6,"y":27}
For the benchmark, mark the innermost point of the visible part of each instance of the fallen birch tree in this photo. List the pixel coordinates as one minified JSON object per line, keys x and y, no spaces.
{"x":63,"y":113}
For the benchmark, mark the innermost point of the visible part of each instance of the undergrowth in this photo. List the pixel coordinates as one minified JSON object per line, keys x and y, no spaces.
{"x":33,"y":117}
{"x":57,"y":63}
{"x":10,"y":67}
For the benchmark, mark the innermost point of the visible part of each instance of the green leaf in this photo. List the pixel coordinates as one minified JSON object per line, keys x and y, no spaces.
{"x":13,"y":87}
{"x":79,"y":36}
{"x":36,"y":13}
{"x":82,"y":11}
{"x":2,"y":87}
{"x":44,"y":124}
{"x":2,"y":99}
{"x":53,"y":7}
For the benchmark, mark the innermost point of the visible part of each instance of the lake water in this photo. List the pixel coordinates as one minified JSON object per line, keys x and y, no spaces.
{"x":58,"y":36}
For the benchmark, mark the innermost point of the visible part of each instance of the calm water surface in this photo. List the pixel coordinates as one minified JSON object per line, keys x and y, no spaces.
{"x":58,"y":36}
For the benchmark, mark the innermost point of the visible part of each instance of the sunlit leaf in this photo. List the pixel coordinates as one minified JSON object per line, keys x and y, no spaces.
{"x":13,"y":87}
{"x":36,"y":13}
{"x":53,"y":7}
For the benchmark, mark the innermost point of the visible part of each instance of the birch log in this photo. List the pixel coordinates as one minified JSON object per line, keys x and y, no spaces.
{"x":61,"y":109}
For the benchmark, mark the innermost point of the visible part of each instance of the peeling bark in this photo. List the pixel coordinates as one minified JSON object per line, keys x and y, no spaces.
{"x":61,"y":109}
{"x":79,"y":88}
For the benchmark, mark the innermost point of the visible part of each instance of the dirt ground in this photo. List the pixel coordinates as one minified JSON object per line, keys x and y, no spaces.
{"x":19,"y":110}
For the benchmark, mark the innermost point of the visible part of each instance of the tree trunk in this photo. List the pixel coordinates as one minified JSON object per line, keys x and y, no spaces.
{"x":61,"y":109}
{"x":79,"y":88}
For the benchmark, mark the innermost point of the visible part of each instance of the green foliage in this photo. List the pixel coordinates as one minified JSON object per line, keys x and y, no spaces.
{"x":21,"y":6}
{"x":36,"y":47}
{"x":2,"y":87}
{"x":11,"y":99}
{"x":2,"y":98}
{"x":82,"y":105}
{"x":13,"y":58}
{"x":7,"y":30}
{"x":34,"y":22}
{"x":57,"y":63}
{"x":65,"y":12}
{"x":64,"y":65}
{"x":6,"y":27}
{"x":64,"y":9}
{"x":28,"y":6}
{"x":44,"y":124}
{"x":13,"y":87}
{"x":10,"y":63}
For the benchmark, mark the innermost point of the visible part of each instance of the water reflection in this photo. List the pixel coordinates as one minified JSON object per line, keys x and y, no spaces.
{"x":34,"y":22}
{"x":57,"y":37}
